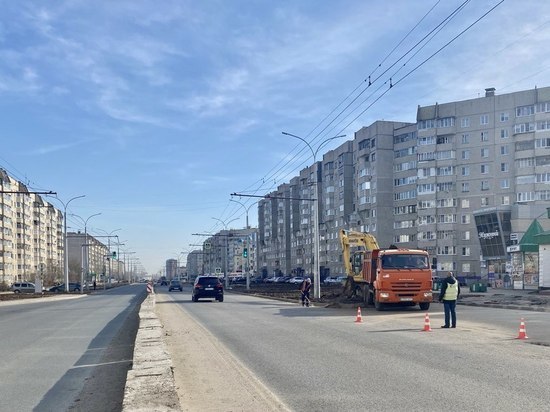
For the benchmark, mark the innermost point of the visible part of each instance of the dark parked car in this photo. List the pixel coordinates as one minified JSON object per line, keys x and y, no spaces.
{"x":73,"y":287}
{"x":207,"y":287}
{"x":175,"y":284}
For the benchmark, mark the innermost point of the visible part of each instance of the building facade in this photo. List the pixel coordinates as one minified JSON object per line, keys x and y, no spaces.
{"x":462,"y":182}
{"x":224,"y":252}
{"x":31,"y":235}
{"x":91,"y":260}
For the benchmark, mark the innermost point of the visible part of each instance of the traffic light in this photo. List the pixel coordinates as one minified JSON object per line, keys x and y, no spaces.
{"x":114,"y":255}
{"x":245,"y":252}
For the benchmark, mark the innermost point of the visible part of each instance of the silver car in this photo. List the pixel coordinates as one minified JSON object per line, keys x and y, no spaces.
{"x":23,"y":287}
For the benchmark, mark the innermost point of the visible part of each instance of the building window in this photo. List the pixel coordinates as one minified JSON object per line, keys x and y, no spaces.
{"x":446,"y":122}
{"x":484,"y":136}
{"x":484,"y":153}
{"x":504,"y":116}
{"x":504,"y":150}
{"x":426,"y":140}
{"x":466,"y":251}
{"x":364,"y":144}
{"x":465,"y":154}
{"x":483,"y":119}
{"x":466,"y":235}
{"x":465,"y":219}
{"x":484,"y":185}
{"x":465,"y":122}
{"x":484,"y":169}
{"x":504,"y":133}
{"x":465,"y":170}
{"x":505,"y":184}
{"x":465,"y":186}
{"x":504,"y":167}
{"x":484,"y":201}
{"x":465,"y":138}
{"x":505,"y":201}
{"x":465,"y":204}
{"x":525,"y":110}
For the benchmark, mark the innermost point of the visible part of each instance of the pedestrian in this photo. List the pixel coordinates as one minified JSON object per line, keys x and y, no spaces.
{"x":450,"y":291}
{"x":94,"y":284}
{"x":304,"y":288}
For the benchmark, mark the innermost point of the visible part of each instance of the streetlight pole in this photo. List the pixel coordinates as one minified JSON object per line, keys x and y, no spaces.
{"x":225,"y":251}
{"x":245,"y":208}
{"x":317,"y":266}
{"x":126,"y":269}
{"x":109,"y":236}
{"x":248,"y":237}
{"x":86,"y":254}
{"x":65,"y":254}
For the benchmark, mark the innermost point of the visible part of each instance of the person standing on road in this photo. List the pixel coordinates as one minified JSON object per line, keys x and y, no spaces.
{"x":304,"y":288}
{"x":450,"y":291}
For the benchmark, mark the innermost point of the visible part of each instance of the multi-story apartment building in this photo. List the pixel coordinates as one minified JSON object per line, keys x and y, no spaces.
{"x":90,"y":258}
{"x":337,"y":209}
{"x":224,"y":251}
{"x":274,"y":233}
{"x":195,"y":265}
{"x":463,"y":182}
{"x":31,"y":236}
{"x":171,"y":268}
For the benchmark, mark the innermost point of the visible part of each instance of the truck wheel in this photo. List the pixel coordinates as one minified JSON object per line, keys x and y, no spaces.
{"x":370,"y":298}
{"x":424,"y":305}
{"x":377,"y":304}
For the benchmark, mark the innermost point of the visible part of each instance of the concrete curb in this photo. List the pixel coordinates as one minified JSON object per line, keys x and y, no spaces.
{"x":150,"y":384}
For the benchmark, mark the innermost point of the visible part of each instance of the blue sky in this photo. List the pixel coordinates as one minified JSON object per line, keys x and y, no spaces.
{"x":158,"y":111}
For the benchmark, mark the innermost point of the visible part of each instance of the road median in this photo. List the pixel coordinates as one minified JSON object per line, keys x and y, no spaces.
{"x":150,"y":383}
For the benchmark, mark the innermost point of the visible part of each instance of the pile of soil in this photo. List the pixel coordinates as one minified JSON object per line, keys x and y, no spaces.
{"x":331,"y":295}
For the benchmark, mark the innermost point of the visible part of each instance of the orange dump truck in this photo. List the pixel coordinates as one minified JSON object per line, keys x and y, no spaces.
{"x":395,"y":276}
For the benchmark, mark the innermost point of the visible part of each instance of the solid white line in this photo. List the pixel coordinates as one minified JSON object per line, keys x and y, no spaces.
{"x":101,"y":364}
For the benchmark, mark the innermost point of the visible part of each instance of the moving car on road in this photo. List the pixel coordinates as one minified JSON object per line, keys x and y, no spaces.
{"x":175,"y":284}
{"x":73,"y":287}
{"x":207,"y":287}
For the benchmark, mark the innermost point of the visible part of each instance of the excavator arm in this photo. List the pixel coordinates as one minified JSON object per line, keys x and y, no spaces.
{"x":361,"y":242}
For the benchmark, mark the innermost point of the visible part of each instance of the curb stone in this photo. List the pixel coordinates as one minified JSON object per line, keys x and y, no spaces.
{"x":150,"y":384}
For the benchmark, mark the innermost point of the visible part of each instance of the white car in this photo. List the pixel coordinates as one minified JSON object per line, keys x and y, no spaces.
{"x":334,"y":280}
{"x":296,"y":279}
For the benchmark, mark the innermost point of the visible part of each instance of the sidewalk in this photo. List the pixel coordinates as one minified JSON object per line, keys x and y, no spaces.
{"x":522,"y":299}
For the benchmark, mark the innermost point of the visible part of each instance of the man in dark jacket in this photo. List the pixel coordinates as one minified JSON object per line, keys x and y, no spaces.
{"x":450,"y":291}
{"x":304,"y":288}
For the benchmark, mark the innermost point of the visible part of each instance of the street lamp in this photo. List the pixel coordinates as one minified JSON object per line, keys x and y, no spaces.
{"x":65,"y":254}
{"x":317,"y":266}
{"x":245,"y":208}
{"x":87,"y":253}
{"x":225,"y":252}
{"x":109,"y":236}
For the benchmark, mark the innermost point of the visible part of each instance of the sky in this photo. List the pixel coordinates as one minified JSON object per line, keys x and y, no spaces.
{"x":157,"y":111}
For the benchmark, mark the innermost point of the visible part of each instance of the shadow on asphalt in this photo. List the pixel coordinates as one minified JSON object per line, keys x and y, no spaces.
{"x":102,"y":369}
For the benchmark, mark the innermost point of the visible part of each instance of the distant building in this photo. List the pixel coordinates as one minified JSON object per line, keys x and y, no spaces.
{"x":171,"y":269}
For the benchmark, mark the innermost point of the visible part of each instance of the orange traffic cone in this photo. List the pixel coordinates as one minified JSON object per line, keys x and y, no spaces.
{"x":359,"y":318}
{"x":427,"y":327}
{"x":522,"y":332}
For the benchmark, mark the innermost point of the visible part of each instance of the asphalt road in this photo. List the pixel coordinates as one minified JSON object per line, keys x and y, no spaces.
{"x":320,"y":359}
{"x":68,"y":354}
